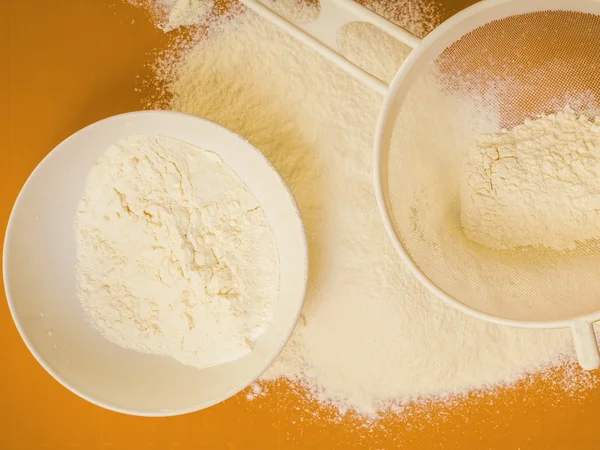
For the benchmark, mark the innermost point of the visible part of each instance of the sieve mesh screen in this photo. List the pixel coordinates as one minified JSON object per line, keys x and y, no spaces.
{"x":495,"y":76}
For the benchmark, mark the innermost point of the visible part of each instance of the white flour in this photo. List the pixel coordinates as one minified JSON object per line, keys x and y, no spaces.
{"x":186,"y":12}
{"x":416,"y":16}
{"x":174,"y":255}
{"x":535,"y":185}
{"x":301,"y":11}
{"x":173,"y":14}
{"x":363,"y":44}
{"x":370,"y":334}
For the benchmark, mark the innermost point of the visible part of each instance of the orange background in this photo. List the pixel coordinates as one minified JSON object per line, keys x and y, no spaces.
{"x":67,"y":63}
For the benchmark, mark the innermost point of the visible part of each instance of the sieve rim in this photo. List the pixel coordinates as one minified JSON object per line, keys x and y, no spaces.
{"x":396,"y":94}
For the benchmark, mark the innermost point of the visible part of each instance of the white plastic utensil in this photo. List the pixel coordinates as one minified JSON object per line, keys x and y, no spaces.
{"x":39,"y":261}
{"x":546,"y":45}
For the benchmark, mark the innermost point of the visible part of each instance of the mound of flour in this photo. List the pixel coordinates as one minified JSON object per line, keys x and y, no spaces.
{"x":175,"y":256}
{"x":370,"y":334}
{"x":537,"y":184}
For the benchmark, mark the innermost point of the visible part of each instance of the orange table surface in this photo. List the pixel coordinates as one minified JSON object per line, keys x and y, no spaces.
{"x":67,"y":63}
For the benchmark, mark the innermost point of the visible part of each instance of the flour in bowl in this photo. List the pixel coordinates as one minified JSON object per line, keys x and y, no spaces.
{"x":175,"y":256}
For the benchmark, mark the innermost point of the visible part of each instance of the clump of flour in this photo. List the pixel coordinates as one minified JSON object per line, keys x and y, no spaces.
{"x":370,"y":334}
{"x":175,"y":256}
{"x":416,"y":16}
{"x":173,"y":14}
{"x":301,"y":11}
{"x":537,"y":184}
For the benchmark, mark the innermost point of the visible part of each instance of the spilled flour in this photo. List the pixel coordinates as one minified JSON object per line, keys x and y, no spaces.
{"x":370,"y":335}
{"x":301,"y":11}
{"x":170,"y":15}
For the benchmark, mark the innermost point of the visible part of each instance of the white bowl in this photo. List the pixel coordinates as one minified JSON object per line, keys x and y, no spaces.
{"x":39,"y":261}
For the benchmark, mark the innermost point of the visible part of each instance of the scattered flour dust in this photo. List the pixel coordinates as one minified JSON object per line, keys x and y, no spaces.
{"x":363,"y":44}
{"x":537,"y":184}
{"x":186,"y":12}
{"x":174,"y":255}
{"x":173,"y":14}
{"x":255,"y":391}
{"x":416,"y":16}
{"x":370,"y":335}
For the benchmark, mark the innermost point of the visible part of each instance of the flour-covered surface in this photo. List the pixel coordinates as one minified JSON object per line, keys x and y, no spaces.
{"x":373,"y":350}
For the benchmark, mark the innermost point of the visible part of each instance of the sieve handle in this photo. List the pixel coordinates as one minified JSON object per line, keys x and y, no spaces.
{"x":321,"y":34}
{"x":586,"y":345}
